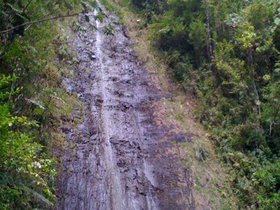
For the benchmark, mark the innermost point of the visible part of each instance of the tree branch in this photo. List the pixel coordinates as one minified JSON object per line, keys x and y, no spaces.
{"x":27,"y":5}
{"x":38,"y":21}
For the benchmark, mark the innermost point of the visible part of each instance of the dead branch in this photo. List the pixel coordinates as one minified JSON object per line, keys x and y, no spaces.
{"x":38,"y":21}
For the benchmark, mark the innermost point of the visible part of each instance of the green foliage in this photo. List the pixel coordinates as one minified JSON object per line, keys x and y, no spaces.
{"x":230,"y":51}
{"x":24,"y":166}
{"x":197,"y":34}
{"x":5,"y":90}
{"x":139,"y":3}
{"x":29,"y":101}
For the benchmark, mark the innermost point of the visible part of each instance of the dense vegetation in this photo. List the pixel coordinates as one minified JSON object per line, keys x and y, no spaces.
{"x":27,"y":52}
{"x":227,"y":54}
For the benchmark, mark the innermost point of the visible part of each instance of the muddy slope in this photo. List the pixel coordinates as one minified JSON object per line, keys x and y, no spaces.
{"x":120,"y":157}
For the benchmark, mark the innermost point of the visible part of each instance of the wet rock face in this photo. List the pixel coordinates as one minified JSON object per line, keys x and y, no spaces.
{"x":117,"y":158}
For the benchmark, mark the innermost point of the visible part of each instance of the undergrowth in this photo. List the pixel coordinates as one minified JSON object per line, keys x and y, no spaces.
{"x":32,"y":101}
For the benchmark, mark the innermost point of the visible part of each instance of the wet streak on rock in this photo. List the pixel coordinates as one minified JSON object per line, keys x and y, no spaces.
{"x":118,"y":158}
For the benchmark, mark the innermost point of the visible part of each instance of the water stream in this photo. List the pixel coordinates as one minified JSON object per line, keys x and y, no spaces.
{"x":117,"y":158}
{"x":116,"y":193}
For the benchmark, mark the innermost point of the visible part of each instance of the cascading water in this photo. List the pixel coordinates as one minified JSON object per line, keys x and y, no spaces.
{"x":116,"y":194}
{"x":117,"y":158}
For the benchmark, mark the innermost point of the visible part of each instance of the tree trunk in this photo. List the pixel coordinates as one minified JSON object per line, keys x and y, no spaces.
{"x":250,"y":63}
{"x":210,"y":46}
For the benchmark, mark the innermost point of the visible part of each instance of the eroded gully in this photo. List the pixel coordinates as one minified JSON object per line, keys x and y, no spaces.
{"x":118,"y":157}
